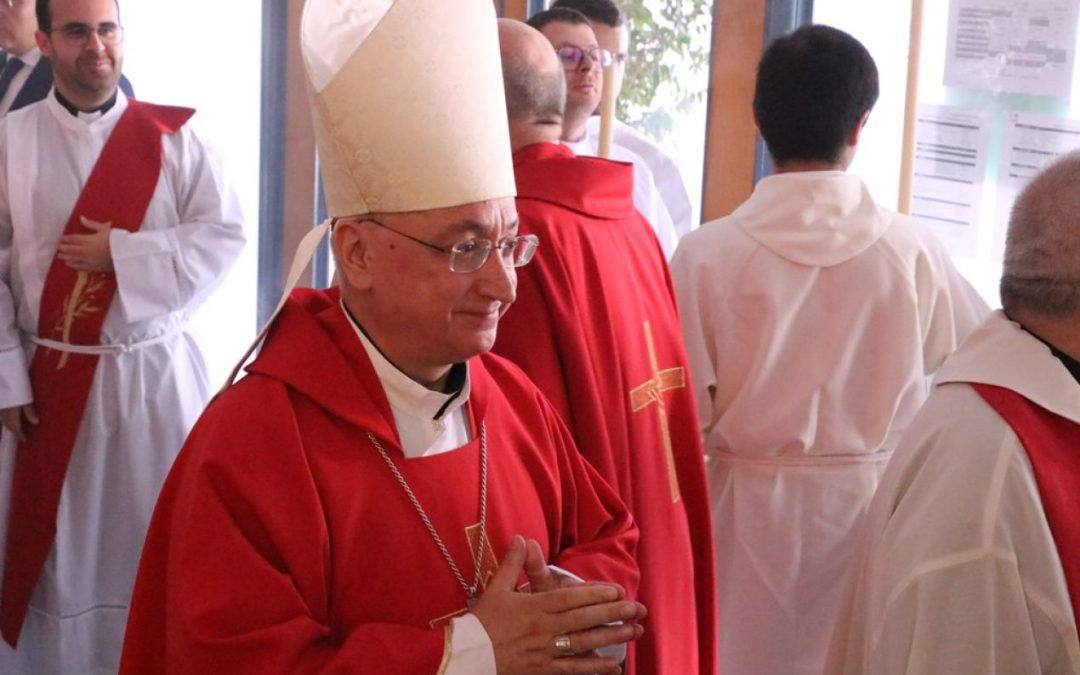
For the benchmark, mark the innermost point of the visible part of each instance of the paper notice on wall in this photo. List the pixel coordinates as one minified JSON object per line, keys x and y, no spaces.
{"x":1021,"y":46}
{"x":1028,"y":143}
{"x":951,"y":146}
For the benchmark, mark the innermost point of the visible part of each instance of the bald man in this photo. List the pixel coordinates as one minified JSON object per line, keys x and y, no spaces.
{"x":594,"y":324}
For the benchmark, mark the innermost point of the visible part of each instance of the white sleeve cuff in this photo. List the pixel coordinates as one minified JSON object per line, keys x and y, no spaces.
{"x":471,"y":651}
{"x":146,"y":274}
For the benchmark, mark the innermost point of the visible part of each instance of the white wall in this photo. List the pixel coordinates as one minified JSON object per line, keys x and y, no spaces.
{"x":206,"y":54}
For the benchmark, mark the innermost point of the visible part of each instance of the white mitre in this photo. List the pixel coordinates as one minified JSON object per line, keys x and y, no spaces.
{"x":408,"y":102}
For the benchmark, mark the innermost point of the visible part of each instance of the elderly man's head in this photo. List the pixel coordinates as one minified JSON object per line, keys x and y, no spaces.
{"x":17,"y":26}
{"x":1041,"y":276}
{"x":84,"y":41}
{"x":534,"y":83}
{"x":583,"y":61}
{"x":429,"y":287}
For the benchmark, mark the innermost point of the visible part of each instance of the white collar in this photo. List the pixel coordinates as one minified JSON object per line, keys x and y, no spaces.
{"x":86,"y":120}
{"x":1001,"y":353}
{"x":428,"y":422}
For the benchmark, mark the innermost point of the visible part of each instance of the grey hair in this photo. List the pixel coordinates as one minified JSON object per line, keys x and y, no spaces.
{"x":532,"y":94}
{"x":1042,"y":248}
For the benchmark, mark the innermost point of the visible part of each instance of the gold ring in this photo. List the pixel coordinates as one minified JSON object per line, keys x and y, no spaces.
{"x":562,"y":645}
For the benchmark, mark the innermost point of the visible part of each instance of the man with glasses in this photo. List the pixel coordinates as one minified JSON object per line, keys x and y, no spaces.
{"x":612,"y":30}
{"x":115,"y":224}
{"x":595,"y":326}
{"x":345,"y":506}
{"x":26,"y":76}
{"x":583,"y":61}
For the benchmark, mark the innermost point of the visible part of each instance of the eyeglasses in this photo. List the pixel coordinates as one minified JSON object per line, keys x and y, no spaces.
{"x":572,"y":56}
{"x":79,"y":33}
{"x":471,"y":254}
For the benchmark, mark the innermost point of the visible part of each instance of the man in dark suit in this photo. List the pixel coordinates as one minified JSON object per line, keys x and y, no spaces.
{"x":26,"y":76}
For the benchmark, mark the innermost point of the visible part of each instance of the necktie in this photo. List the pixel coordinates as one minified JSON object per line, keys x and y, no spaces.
{"x":8,"y":74}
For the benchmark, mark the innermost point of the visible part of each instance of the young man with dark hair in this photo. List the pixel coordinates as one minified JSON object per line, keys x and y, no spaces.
{"x":612,"y":30}
{"x":971,"y":561}
{"x":813,"y":319}
{"x":830,"y":79}
{"x":26,"y":76}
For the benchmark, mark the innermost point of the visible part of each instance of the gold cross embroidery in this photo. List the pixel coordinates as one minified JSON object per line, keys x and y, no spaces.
{"x":652,"y":391}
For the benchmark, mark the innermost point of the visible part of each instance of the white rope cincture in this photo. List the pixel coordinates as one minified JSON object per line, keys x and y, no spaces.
{"x":102,"y":350}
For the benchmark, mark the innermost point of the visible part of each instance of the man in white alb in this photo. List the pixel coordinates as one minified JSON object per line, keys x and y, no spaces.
{"x":115,"y":224}
{"x":971,"y":559}
{"x":26,"y":76}
{"x":813,"y":319}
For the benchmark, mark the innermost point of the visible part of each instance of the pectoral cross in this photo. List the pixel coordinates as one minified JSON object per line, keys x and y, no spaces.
{"x":652,"y":392}
{"x":489,"y":564}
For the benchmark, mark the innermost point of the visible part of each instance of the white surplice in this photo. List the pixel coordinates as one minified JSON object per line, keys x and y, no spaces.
{"x":813,"y":320}
{"x":647,"y":197}
{"x":958,"y":572}
{"x":142,"y":402}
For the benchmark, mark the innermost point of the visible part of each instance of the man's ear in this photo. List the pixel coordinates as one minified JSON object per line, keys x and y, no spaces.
{"x":42,"y":40}
{"x":856,"y":133}
{"x":352,"y":253}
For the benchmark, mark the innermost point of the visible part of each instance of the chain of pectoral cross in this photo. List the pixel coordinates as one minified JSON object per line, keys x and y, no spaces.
{"x":472,"y":591}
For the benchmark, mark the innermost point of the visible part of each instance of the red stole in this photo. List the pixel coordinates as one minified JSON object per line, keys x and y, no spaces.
{"x":1052,"y":443}
{"x":73,"y":308}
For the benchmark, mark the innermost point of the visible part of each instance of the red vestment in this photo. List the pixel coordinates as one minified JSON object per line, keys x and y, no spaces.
{"x":281,"y":542}
{"x":595,"y":326}
{"x":1052,"y":443}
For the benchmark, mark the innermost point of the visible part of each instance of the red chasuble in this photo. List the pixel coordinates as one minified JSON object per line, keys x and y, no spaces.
{"x":1052,"y":444}
{"x":595,"y":326}
{"x":281,"y":542}
{"x":73,"y":308}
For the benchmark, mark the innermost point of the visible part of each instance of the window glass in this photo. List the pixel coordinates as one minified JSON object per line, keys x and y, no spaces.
{"x":667,"y":81}
{"x":208,"y":57}
{"x":996,"y":84}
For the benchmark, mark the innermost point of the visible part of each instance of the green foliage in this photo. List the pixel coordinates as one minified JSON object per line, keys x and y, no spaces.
{"x":669,"y":44}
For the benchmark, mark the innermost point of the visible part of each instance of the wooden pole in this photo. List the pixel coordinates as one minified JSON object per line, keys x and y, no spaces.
{"x":911,"y":108}
{"x":738,"y":33}
{"x":513,"y":9}
{"x":607,"y":112}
